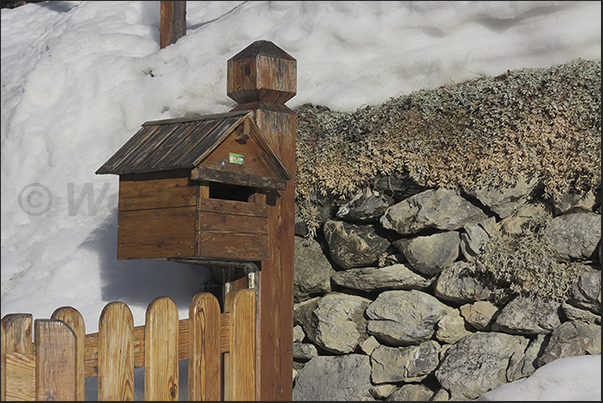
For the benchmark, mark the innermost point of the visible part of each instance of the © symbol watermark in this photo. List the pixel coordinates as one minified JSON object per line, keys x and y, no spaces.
{"x":35,"y":199}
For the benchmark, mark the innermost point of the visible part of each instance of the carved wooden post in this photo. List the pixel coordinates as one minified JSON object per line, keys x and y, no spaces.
{"x":172,"y":22}
{"x":262,"y":77}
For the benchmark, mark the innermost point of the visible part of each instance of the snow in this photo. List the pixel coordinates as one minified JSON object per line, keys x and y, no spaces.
{"x":80,"y":77}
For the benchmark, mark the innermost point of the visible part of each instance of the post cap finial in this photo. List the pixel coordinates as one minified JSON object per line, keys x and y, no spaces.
{"x":262,"y":72}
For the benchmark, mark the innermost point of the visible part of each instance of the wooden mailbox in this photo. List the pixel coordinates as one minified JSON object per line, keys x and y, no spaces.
{"x":196,"y":188}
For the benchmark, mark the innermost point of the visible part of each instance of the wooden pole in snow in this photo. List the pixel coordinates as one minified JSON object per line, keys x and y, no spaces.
{"x":172,"y":22}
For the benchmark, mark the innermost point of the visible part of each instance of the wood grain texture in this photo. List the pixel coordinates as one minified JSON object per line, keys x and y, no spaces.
{"x":158,"y":193}
{"x":261,"y":78}
{"x":56,"y":357}
{"x":231,"y":246}
{"x":2,"y":362}
{"x":253,"y":161}
{"x":239,"y":362}
{"x":157,"y":233}
{"x":20,"y":380}
{"x":237,"y":178}
{"x":204,"y":368}
{"x":232,"y":223}
{"x":73,"y":318}
{"x":161,"y":350}
{"x":232,"y":207}
{"x":18,"y":328}
{"x":18,"y":369}
{"x":172,"y":22}
{"x":116,"y":353}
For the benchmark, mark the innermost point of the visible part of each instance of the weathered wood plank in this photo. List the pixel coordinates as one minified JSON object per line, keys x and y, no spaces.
{"x":157,"y":233}
{"x":56,"y":372}
{"x":161,"y":350}
{"x":237,"y":178}
{"x":158,"y":193}
{"x":204,"y":367}
{"x":116,"y":353}
{"x":154,"y":161}
{"x":18,"y":332}
{"x":201,"y":129}
{"x":73,"y":318}
{"x":91,"y":355}
{"x":20,"y":382}
{"x":172,"y":22}
{"x":232,"y":207}
{"x":2,"y":362}
{"x":261,"y":78}
{"x":113,"y":164}
{"x":239,"y":362}
{"x":232,"y":223}
{"x":230,"y":246}
{"x":18,"y":371}
{"x":253,"y":162}
{"x":205,"y":146}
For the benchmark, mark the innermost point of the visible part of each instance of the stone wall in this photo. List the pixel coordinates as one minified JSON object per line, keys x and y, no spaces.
{"x":408,"y":293}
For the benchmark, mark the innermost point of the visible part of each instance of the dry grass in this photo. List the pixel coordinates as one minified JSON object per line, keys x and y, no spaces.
{"x":483,"y":133}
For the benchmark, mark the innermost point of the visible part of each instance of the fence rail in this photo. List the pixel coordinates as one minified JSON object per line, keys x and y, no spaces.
{"x":55,"y":364}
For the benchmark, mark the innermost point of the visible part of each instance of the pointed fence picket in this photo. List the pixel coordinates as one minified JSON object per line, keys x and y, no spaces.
{"x":56,"y":363}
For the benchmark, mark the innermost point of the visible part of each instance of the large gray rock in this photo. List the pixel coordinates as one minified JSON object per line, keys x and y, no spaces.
{"x":458,"y":283}
{"x":480,"y":362}
{"x":354,"y":245}
{"x":394,"y":277}
{"x":411,"y":392}
{"x":575,"y":203}
{"x":366,"y":206}
{"x":586,"y":292}
{"x":575,"y":236}
{"x":505,"y":201}
{"x":304,"y":351}
{"x":480,"y":314}
{"x":452,"y":328}
{"x":404,"y":364}
{"x":430,"y":254}
{"x":340,"y":322}
{"x":572,"y":339}
{"x":400,"y":318}
{"x":334,"y":378}
{"x":441,"y":209}
{"x":475,"y":236}
{"x":312,"y":274}
{"x":303,"y":315}
{"x":528,"y":316}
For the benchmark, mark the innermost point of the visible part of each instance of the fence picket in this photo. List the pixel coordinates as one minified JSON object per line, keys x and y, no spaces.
{"x":2,"y":362}
{"x":19,"y":359}
{"x":52,"y":367}
{"x":73,"y":318}
{"x":56,"y":373}
{"x":239,"y":362}
{"x":116,"y":353}
{"x":204,"y":348}
{"x":161,"y":350}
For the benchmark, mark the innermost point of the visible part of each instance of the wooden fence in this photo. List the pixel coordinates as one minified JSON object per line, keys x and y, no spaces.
{"x":54,"y":366}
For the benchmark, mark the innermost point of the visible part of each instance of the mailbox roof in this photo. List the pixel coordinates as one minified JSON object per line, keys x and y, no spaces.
{"x":169,"y":144}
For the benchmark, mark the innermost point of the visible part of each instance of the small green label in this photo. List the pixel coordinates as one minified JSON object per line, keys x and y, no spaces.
{"x":236,"y":158}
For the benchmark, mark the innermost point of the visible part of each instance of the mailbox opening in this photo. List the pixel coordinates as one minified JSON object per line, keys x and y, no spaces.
{"x":225,"y":191}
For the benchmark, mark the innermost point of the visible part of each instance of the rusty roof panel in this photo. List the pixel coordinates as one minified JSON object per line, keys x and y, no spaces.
{"x":208,"y":143}
{"x":170,"y":144}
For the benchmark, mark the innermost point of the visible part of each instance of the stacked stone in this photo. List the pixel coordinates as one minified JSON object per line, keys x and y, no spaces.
{"x":386,"y":307}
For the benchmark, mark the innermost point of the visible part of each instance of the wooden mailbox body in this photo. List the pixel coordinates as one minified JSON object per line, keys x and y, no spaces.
{"x":196,"y":188}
